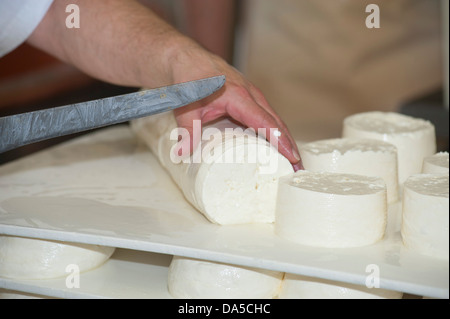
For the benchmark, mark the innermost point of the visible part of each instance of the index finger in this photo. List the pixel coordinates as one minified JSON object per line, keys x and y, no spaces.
{"x":248,"y":112}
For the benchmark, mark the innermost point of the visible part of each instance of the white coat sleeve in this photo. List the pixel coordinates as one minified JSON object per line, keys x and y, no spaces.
{"x":18,"y":19}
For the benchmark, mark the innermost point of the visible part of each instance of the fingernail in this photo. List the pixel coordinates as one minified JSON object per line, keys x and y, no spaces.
{"x":296,"y":155}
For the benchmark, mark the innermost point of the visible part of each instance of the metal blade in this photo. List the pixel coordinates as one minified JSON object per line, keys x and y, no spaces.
{"x":26,"y":128}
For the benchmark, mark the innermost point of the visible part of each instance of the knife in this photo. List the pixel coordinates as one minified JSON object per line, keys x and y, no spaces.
{"x":25,"y":128}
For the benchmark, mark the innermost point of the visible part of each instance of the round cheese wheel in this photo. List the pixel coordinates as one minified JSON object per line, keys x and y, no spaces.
{"x":28,"y":258}
{"x":437,"y":163}
{"x":231,"y":179}
{"x":190,"y":278}
{"x":355,"y":156}
{"x":425,"y":224}
{"x":414,"y":138}
{"x":303,"y":287}
{"x":331,"y":209}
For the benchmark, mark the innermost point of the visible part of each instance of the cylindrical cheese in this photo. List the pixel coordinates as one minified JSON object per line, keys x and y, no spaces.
{"x":354,"y":156}
{"x":190,"y":278}
{"x":437,"y":163}
{"x":29,"y":258}
{"x":425,"y":215}
{"x":331,"y":209}
{"x":303,"y":287}
{"x":232,"y":180}
{"x":414,"y":138}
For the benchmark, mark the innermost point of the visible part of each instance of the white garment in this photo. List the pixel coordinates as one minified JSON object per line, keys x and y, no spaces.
{"x":18,"y":19}
{"x":316,"y":62}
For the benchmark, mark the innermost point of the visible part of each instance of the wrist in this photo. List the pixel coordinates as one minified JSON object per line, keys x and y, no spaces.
{"x":189,"y":61}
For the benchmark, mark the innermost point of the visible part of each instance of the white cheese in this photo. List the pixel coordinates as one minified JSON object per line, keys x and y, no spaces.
{"x":354,"y":156}
{"x":231,"y":180}
{"x":190,"y":278}
{"x":437,"y":163}
{"x":303,"y":287}
{"x":331,"y":209}
{"x":414,"y":138}
{"x":27,"y":258}
{"x":425,"y":224}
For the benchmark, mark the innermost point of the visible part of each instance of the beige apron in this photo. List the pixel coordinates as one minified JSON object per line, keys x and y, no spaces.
{"x":317,"y":62}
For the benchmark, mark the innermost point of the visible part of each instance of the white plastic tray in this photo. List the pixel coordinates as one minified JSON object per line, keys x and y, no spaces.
{"x":107,"y":189}
{"x":127,"y":274}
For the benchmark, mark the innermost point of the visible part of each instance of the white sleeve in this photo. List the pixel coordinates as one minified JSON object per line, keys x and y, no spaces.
{"x":18,"y":19}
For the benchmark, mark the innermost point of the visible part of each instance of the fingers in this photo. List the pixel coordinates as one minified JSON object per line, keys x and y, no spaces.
{"x":245,"y":105}
{"x":260,"y":99}
{"x":263,"y":120}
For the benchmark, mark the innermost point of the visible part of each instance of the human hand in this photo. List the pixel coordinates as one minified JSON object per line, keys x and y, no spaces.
{"x":238,"y":99}
{"x":140,"y":49}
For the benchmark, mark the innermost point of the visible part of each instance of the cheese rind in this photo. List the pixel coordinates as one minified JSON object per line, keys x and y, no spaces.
{"x":354,"y":156}
{"x":414,"y":138}
{"x":232,"y":181}
{"x":190,"y":278}
{"x":437,"y":163}
{"x":29,"y":258}
{"x":331,"y":209}
{"x":425,"y":224}
{"x":303,"y":287}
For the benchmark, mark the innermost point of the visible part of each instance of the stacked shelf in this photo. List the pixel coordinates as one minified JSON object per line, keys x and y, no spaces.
{"x":127,"y":274}
{"x":106,"y":188}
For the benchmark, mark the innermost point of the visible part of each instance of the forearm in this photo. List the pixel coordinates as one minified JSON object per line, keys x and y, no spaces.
{"x":211,"y":23}
{"x":123,"y":42}
{"x":133,"y":48}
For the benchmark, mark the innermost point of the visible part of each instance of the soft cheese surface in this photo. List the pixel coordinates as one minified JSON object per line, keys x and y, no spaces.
{"x":236,"y":179}
{"x":414,"y":138}
{"x":437,"y":163}
{"x":331,"y":209}
{"x":425,"y":226}
{"x":26,"y":258}
{"x":337,"y":184}
{"x":302,"y":287}
{"x":387,"y":123}
{"x":190,"y":278}
{"x":354,"y":156}
{"x":344,"y":145}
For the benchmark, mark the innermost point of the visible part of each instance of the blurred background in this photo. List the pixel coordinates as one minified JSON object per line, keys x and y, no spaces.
{"x":315,"y":61}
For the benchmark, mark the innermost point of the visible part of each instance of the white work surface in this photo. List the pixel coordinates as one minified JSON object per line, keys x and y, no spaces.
{"x":107,"y":188}
{"x":128,"y":274}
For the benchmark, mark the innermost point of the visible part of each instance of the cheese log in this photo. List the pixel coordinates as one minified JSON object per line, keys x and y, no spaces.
{"x":414,"y":138}
{"x":425,"y":215}
{"x":331,"y":209}
{"x":190,"y":278}
{"x":437,"y":163}
{"x":232,"y":181}
{"x":27,"y":258}
{"x":303,"y":287}
{"x":354,"y":156}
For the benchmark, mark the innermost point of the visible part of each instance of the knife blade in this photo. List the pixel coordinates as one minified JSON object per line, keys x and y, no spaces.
{"x":26,"y":128}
